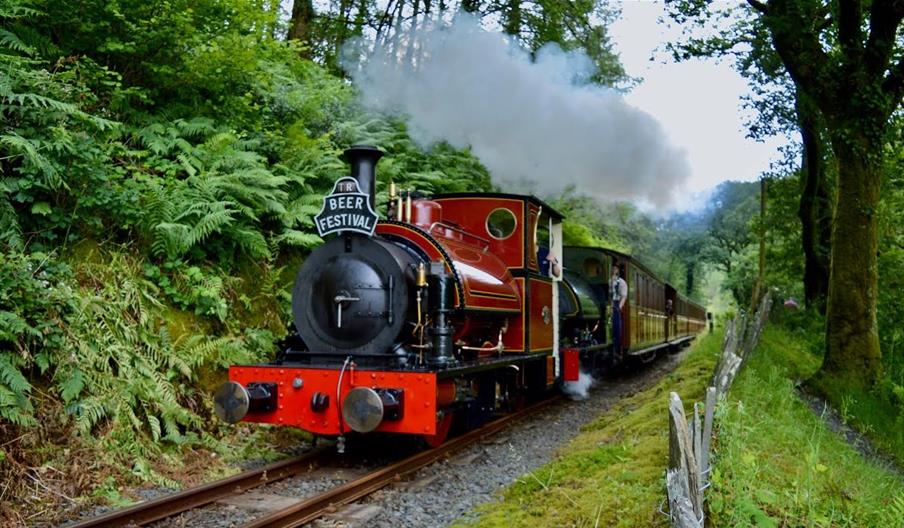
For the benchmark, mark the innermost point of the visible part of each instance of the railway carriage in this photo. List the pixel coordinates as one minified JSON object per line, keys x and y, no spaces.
{"x":448,"y":310}
{"x":656,"y":316}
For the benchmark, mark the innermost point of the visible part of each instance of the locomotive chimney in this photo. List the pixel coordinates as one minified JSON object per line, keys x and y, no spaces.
{"x":363,"y":159}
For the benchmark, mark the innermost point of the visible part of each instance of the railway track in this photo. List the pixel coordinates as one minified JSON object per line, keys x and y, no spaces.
{"x":168,"y":505}
{"x":309,"y":509}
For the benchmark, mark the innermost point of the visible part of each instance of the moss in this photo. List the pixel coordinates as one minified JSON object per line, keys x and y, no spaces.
{"x":260,"y":295}
{"x":84,"y":251}
{"x":776,"y":463}
{"x":612,"y":473}
{"x":182,"y":324}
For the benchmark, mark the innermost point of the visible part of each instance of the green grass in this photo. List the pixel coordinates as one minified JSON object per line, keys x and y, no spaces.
{"x":878,"y":412}
{"x":612,"y":474}
{"x":776,"y":463}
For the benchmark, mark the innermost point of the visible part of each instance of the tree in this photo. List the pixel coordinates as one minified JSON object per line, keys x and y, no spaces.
{"x":535,"y":23}
{"x":731,"y":208}
{"x":300,"y":23}
{"x":780,"y":109}
{"x":857,"y":82}
{"x":846,"y":58}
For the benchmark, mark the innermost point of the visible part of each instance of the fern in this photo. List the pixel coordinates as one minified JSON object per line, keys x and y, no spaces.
{"x":292,"y":237}
{"x":13,"y":409}
{"x":12,"y":42}
{"x":196,"y":128}
{"x":20,"y":147}
{"x":251,"y":242}
{"x":14,"y":391}
{"x":10,"y":229}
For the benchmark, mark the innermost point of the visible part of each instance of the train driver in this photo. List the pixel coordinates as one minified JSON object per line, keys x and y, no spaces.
{"x":549,"y":264}
{"x":618,"y":293}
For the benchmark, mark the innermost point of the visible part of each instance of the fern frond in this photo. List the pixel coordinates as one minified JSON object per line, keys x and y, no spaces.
{"x":197,"y":127}
{"x":215,"y":220}
{"x":28,"y":151}
{"x":14,"y":408}
{"x":12,"y":42}
{"x":252,"y":242}
{"x":72,"y":385}
{"x":10,"y":230}
{"x":10,"y":375}
{"x":292,"y":237}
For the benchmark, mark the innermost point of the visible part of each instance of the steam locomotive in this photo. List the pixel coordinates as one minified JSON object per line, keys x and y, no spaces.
{"x":451,"y":309}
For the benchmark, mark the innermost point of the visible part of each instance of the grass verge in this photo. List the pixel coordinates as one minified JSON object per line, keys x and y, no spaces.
{"x":612,"y":474}
{"x":776,"y":463}
{"x":877,"y":412}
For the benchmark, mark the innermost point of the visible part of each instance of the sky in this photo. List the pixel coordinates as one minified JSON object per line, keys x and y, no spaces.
{"x":697,"y":102}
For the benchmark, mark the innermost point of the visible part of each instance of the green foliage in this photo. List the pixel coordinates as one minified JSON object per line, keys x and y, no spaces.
{"x":438,"y":170}
{"x":34,"y":301}
{"x":324,"y":28}
{"x":891,"y":266}
{"x":778,"y":464}
{"x":732,"y":207}
{"x":98,"y":335}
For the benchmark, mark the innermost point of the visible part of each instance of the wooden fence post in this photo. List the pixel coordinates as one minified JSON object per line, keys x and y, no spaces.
{"x":697,"y":429}
{"x":680,"y":508}
{"x":683,"y":461}
{"x":708,"y":410}
{"x":756,"y":326}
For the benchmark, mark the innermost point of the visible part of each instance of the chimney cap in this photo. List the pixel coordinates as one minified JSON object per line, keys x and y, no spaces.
{"x":357,"y":150}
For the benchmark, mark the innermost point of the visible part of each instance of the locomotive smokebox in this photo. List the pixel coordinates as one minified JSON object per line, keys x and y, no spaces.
{"x":363,"y":159}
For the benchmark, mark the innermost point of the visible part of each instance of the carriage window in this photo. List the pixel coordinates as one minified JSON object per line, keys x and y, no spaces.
{"x":501,"y":223}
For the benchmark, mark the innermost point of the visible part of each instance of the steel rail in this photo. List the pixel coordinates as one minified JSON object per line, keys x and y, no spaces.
{"x":314,"y":507}
{"x":175,"y":503}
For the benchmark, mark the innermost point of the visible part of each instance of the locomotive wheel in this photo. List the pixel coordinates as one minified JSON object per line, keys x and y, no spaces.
{"x":517,"y":401}
{"x":442,"y":431}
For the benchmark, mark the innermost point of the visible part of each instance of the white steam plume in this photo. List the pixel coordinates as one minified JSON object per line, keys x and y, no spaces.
{"x":527,"y":121}
{"x":580,"y":389}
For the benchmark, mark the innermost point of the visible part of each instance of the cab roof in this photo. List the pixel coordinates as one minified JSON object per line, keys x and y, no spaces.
{"x":525,"y":197}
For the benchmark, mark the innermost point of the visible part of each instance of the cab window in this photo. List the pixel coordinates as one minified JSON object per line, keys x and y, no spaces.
{"x":501,"y":223}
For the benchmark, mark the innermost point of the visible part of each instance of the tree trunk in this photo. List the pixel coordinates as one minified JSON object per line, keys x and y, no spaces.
{"x":412,"y":36}
{"x":360,"y":17}
{"x":761,"y":266}
{"x":512,"y":24}
{"x":342,"y":31}
{"x":852,"y":336}
{"x":689,"y":279}
{"x":815,"y":209}
{"x":300,"y":24}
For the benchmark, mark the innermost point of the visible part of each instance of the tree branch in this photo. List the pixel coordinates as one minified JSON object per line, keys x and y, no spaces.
{"x":885,"y":17}
{"x":849,"y":33}
{"x":893,"y":85}
{"x":759,"y":6}
{"x":800,"y":50}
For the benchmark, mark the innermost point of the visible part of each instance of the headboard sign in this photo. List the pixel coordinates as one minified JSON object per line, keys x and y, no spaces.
{"x":346,"y":209}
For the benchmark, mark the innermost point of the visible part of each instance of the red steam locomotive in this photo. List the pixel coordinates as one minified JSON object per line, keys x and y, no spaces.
{"x":453,"y":308}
